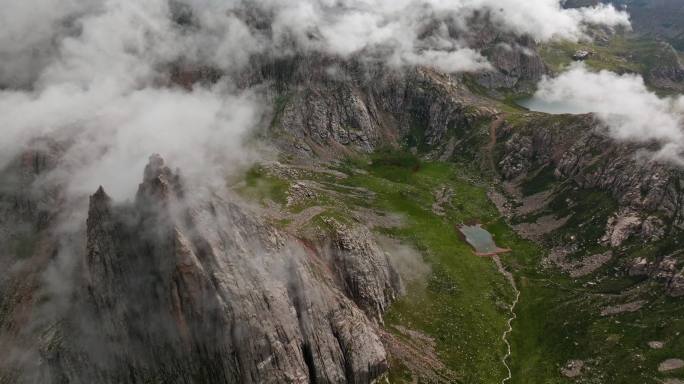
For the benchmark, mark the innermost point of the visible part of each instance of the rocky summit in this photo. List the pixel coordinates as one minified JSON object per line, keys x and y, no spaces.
{"x":276,"y":192}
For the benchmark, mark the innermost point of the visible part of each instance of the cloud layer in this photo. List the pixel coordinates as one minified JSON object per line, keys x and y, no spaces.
{"x":95,"y":73}
{"x":102,"y":95}
{"x":630,"y":111}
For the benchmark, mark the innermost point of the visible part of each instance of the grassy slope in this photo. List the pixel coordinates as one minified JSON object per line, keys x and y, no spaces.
{"x":463,"y":302}
{"x":620,"y":54}
{"x":559,"y":317}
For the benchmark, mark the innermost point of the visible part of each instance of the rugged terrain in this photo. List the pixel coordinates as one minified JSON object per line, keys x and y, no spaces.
{"x":339,"y":260}
{"x":652,"y":47}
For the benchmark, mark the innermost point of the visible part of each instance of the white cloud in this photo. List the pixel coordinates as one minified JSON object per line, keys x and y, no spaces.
{"x":628,"y":108}
{"x":95,"y":72}
{"x":102,"y":95}
{"x":347,"y":27}
{"x":29,"y":32}
{"x":547,"y":19}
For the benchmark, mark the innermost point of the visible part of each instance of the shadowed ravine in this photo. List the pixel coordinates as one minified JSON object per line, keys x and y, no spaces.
{"x":504,"y":337}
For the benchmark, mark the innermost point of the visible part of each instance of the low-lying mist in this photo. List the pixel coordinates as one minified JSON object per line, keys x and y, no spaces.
{"x":624,"y":104}
{"x":97,"y":75}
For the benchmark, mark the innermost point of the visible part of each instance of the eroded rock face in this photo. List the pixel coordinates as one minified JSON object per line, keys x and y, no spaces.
{"x":666,"y":270}
{"x":332,"y":115}
{"x":346,"y":106}
{"x":362,"y":268}
{"x":198,"y":290}
{"x":28,"y":206}
{"x":579,"y":152}
{"x":517,"y":65}
{"x":621,"y":227}
{"x":668,"y":71}
{"x":675,"y":287}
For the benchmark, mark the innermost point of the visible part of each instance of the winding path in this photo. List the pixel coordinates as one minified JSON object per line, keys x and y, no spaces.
{"x":491,"y":145}
{"x":504,"y":337}
{"x":489,"y":148}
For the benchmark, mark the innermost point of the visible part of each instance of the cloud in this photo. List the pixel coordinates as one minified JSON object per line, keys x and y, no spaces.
{"x":96,"y":73}
{"x":546,"y":19}
{"x":415,"y":31}
{"x":104,"y":95}
{"x":29,"y":32}
{"x":630,"y":111}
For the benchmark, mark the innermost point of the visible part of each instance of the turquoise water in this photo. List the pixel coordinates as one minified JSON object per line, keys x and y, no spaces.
{"x":479,"y":238}
{"x":553,"y":107}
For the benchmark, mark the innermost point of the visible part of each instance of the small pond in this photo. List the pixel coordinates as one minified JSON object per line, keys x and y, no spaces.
{"x":480,"y":239}
{"x":539,"y":104}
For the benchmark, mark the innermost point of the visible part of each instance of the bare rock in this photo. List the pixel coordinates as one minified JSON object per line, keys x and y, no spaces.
{"x":621,"y":227}
{"x":363,"y":268}
{"x":190,"y":289}
{"x":299,"y":193}
{"x":573,"y":368}
{"x":648,"y":192}
{"x":670,"y":365}
{"x":540,"y":227}
{"x":558,"y":257}
{"x":652,"y":229}
{"x":665,"y":269}
{"x":675,"y":287}
{"x":443,"y":197}
{"x":590,"y":264}
{"x":656,"y":344}
{"x":623,"y":308}
{"x":639,"y":267}
{"x":322,"y":116}
{"x":516,"y":62}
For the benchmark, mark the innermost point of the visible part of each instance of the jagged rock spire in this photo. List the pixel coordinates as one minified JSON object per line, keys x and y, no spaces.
{"x":100,"y":203}
{"x":159,"y":182}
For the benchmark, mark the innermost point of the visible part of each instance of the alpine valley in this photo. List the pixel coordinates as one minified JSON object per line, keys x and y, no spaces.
{"x":347,"y":191}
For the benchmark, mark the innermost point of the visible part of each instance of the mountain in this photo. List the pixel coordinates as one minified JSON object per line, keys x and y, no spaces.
{"x":336,"y":253}
{"x":651,"y":47}
{"x":658,"y":19}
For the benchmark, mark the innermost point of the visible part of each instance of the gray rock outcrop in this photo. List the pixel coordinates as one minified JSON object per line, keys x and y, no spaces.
{"x":184,"y":286}
{"x":578,"y":151}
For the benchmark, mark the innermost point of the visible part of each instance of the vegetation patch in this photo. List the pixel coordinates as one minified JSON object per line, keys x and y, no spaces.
{"x":260,"y":186}
{"x":463,"y":303}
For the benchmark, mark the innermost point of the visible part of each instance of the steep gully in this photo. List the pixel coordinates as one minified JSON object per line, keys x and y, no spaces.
{"x":493,"y":128}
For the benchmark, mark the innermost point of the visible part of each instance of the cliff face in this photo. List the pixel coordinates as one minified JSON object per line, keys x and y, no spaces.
{"x":565,"y":160}
{"x":360,"y":107}
{"x":668,"y":71}
{"x":197,"y":289}
{"x":182,"y":288}
{"x":517,"y":65}
{"x":577,"y":151}
{"x":205,"y":292}
{"x":438,"y":115}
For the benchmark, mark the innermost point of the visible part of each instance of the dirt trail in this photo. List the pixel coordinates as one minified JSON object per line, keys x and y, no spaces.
{"x":504,"y":337}
{"x":299,"y":220}
{"x":493,"y":128}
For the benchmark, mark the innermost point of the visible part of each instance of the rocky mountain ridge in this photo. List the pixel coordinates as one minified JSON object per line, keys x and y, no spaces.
{"x":188,"y":285}
{"x":206,"y":292}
